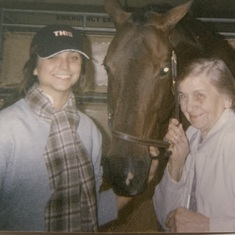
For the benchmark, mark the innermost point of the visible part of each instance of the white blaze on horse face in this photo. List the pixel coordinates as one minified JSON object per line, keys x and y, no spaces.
{"x":130,"y":176}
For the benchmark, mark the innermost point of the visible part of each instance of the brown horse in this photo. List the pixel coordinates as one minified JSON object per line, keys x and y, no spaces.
{"x":140,"y":83}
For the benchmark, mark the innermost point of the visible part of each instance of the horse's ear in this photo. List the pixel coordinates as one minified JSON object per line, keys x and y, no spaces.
{"x":116,"y":12}
{"x":173,"y":16}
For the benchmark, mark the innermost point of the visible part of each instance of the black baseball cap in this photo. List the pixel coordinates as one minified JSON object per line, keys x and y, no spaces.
{"x":53,"y":39}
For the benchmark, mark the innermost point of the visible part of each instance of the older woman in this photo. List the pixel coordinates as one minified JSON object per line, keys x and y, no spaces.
{"x":197,"y":191}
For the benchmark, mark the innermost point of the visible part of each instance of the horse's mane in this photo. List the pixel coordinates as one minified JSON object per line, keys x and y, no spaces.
{"x":198,"y":30}
{"x":197,"y":39}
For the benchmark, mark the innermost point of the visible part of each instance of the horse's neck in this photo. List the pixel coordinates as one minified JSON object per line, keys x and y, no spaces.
{"x":186,"y":39}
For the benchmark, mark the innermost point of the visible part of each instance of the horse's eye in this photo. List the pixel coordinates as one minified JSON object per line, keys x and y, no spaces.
{"x":164,"y":71}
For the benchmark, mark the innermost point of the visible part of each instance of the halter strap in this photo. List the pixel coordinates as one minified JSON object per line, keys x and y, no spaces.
{"x":137,"y":140}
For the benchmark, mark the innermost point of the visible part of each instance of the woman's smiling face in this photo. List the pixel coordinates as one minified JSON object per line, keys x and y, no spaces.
{"x":59,"y":73}
{"x":200,"y":102}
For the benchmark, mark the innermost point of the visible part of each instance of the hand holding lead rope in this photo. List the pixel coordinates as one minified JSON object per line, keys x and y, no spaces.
{"x":179,"y":145}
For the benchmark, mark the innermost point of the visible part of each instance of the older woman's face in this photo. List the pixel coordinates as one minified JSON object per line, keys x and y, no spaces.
{"x":200,"y":102}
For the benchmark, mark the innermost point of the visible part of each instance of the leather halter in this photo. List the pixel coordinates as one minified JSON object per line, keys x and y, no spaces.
{"x":142,"y":141}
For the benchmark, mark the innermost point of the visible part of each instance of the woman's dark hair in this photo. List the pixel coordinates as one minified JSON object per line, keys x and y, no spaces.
{"x":28,"y":77}
{"x":216,"y":71}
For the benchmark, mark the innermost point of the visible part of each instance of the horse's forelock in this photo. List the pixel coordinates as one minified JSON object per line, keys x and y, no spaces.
{"x":140,"y":16}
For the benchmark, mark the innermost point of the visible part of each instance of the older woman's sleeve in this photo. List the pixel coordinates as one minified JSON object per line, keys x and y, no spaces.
{"x":226,"y":223}
{"x":168,"y":195}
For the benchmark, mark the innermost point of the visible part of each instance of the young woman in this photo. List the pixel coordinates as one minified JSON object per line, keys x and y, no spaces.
{"x":50,"y":152}
{"x":197,"y":191}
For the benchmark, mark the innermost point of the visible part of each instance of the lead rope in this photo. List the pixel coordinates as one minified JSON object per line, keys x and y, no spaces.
{"x":174,"y":89}
{"x":167,"y":153}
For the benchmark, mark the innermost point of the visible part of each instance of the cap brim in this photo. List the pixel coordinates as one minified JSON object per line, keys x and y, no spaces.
{"x":58,"y":52}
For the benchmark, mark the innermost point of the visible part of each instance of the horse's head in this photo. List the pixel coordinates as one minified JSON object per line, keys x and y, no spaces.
{"x":140,"y":98}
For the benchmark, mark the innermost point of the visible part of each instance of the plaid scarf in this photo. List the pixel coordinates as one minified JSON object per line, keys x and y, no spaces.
{"x":72,"y":206}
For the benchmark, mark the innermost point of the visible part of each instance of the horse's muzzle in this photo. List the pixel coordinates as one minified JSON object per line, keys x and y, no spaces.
{"x":127,"y":175}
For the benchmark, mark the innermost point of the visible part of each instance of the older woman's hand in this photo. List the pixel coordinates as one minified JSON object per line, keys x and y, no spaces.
{"x":183,"y":220}
{"x":179,"y":148}
{"x":154,"y":163}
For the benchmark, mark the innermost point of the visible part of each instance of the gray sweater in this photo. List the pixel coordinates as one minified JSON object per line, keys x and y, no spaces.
{"x":24,"y":183}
